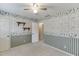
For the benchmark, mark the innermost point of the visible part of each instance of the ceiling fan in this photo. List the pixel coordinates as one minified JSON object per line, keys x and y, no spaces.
{"x":35,"y":8}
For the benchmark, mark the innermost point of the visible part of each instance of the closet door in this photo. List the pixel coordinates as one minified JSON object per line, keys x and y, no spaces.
{"x":4,"y":35}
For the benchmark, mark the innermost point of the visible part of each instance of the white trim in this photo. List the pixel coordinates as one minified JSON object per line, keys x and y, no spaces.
{"x":59,"y":50}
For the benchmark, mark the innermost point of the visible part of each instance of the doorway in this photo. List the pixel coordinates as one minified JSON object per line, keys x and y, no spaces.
{"x":41,"y":31}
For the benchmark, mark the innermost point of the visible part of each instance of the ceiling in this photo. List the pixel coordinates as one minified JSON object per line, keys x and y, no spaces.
{"x":53,"y":10}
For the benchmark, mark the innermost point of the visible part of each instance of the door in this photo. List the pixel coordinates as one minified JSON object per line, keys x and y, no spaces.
{"x":4,"y":35}
{"x":41,"y":31}
{"x":35,"y":32}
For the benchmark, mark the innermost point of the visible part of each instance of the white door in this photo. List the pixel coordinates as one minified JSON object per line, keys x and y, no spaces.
{"x":35,"y":32}
{"x":4,"y":35}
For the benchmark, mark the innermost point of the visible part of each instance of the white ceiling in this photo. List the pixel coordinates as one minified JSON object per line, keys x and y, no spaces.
{"x":52,"y":9}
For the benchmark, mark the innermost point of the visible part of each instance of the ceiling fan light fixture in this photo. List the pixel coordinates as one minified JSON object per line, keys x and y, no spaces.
{"x":35,"y":11}
{"x":35,"y":5}
{"x":35,"y":8}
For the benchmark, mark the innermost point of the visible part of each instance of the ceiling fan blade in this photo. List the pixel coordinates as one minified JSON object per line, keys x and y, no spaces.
{"x":26,"y":9}
{"x":43,"y":8}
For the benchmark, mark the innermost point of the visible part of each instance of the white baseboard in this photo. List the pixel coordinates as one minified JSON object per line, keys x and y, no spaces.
{"x":59,"y":50}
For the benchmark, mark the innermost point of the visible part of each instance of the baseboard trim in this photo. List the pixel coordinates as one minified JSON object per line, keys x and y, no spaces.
{"x":59,"y":50}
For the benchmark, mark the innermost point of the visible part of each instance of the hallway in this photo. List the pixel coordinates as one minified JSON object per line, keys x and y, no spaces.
{"x":33,"y":49}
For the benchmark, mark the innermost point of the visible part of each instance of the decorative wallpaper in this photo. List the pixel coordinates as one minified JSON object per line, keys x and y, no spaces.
{"x":5,"y":13}
{"x":67,"y":26}
{"x":12,"y":25}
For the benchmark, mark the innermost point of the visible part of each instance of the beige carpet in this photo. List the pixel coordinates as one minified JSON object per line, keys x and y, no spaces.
{"x":32,"y":49}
